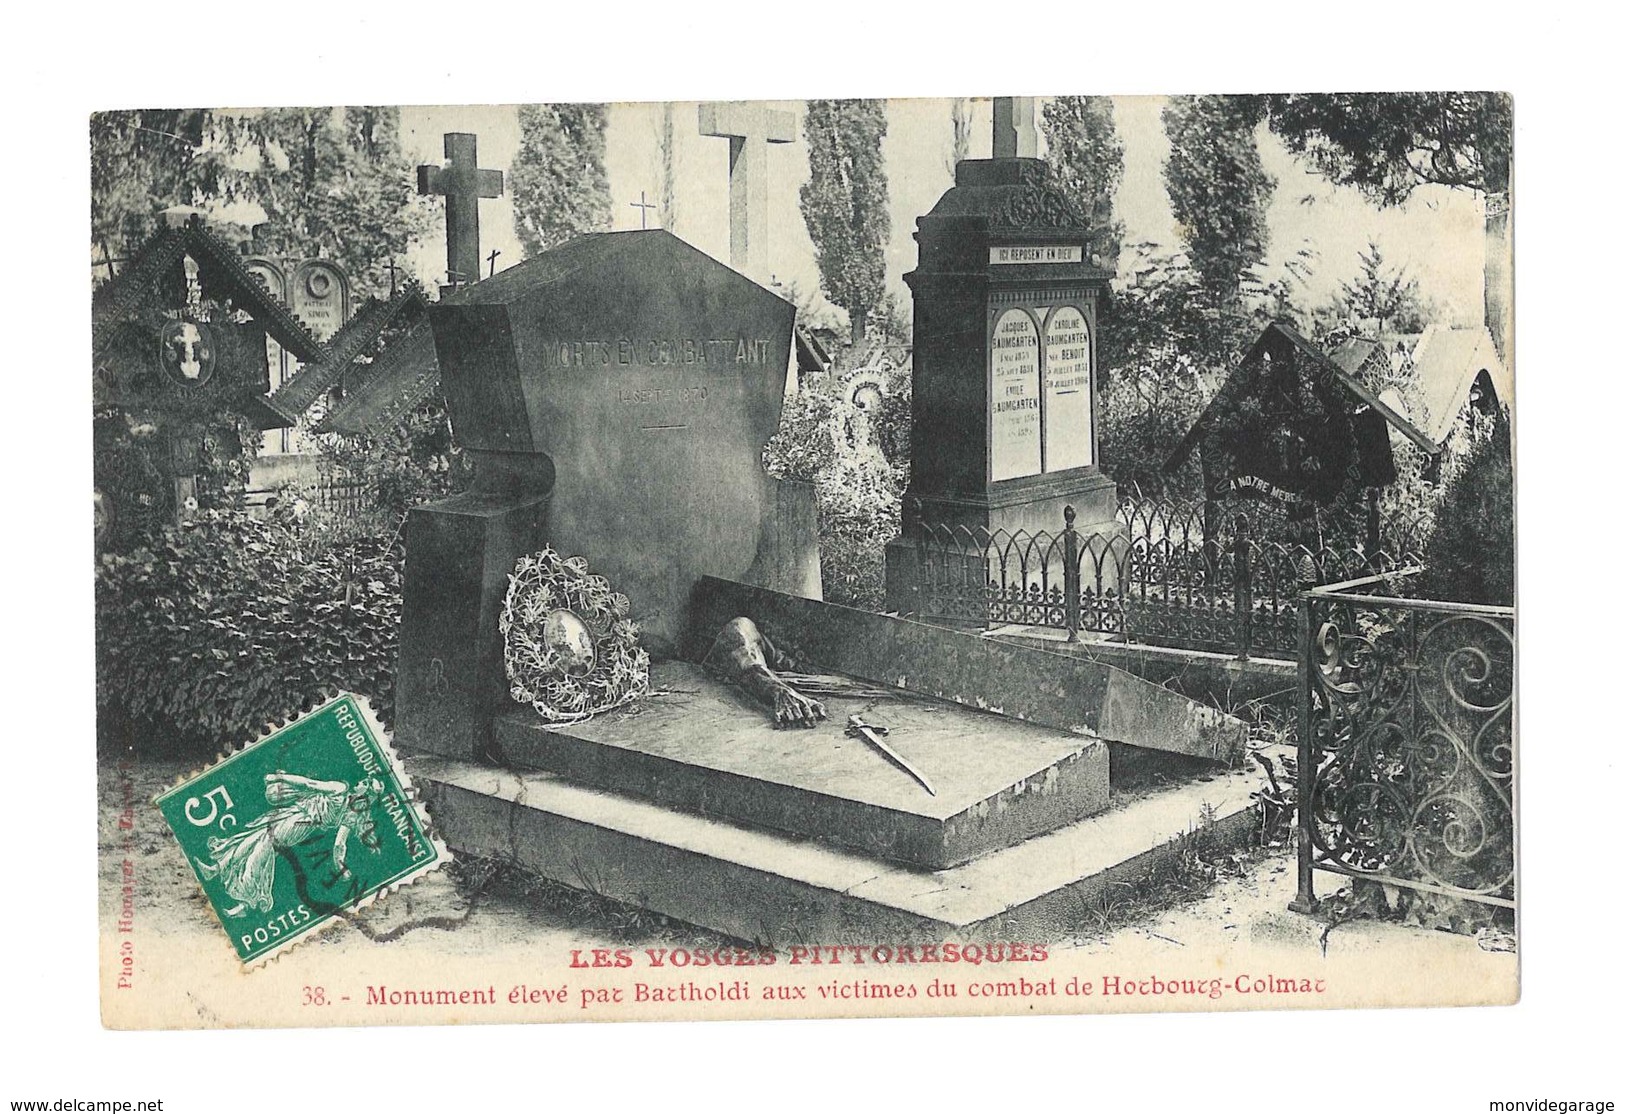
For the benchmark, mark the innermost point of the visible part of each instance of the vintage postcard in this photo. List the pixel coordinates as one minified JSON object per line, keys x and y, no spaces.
{"x":831,"y":558}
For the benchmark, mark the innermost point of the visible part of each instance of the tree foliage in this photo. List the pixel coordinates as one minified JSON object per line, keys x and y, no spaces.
{"x":1218,"y":188}
{"x":558,"y":182}
{"x":844,"y":203}
{"x":1087,"y":157}
{"x":1383,"y":294}
{"x":1387,"y":144}
{"x":332,"y":182}
{"x":1163,"y":348}
{"x":1470,"y":556}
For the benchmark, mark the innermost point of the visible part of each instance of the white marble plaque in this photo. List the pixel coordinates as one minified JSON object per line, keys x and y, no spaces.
{"x":1068,"y":410}
{"x":1013,"y":353}
{"x":1036,"y":253}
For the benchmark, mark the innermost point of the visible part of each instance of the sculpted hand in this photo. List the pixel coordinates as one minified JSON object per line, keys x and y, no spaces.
{"x":791,"y":709}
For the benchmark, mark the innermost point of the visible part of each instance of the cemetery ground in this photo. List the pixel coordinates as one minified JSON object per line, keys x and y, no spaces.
{"x":478,"y":911}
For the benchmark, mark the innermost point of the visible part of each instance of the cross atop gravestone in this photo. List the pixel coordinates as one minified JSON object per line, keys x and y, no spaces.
{"x":745,"y":126}
{"x":643,"y":205}
{"x":1014,"y":132}
{"x":462,"y":183}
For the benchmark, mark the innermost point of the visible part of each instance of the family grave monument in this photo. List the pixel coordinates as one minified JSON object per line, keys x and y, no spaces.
{"x":1007,"y":301}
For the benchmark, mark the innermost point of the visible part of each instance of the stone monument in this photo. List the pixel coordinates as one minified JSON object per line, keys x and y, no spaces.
{"x":1007,"y":301}
{"x":615,"y":394}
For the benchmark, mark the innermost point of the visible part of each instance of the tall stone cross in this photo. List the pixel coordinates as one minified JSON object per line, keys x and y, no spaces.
{"x":462,"y":183}
{"x":746,"y":127}
{"x":1014,"y":132}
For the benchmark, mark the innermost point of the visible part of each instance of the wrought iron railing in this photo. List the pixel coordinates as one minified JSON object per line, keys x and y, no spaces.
{"x":1405,"y":743}
{"x":341,"y":494}
{"x":1170,"y":576}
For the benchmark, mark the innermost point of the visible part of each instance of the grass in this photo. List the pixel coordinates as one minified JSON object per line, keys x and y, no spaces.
{"x":1187,"y":870}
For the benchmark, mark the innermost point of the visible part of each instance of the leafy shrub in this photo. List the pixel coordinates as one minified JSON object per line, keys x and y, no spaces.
{"x":409,"y":463}
{"x":1470,"y":555}
{"x":216,"y":628}
{"x":857,"y":461}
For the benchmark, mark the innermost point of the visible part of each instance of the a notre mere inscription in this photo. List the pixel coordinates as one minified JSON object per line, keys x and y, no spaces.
{"x":1015,"y":447}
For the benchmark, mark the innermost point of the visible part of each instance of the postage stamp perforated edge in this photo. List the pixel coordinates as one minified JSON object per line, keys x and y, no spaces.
{"x":411,"y":798}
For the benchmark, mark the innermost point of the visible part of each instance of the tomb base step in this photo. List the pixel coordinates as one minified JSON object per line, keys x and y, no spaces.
{"x":705,"y":748}
{"x":762,"y":886}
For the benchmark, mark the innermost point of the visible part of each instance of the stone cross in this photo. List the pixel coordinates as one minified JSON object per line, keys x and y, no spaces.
{"x":492,"y":260}
{"x":462,"y":183}
{"x":745,"y":126}
{"x":1014,"y":133}
{"x":643,"y":203}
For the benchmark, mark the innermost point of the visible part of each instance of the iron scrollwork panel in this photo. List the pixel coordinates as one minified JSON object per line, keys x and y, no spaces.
{"x":1409,"y":711}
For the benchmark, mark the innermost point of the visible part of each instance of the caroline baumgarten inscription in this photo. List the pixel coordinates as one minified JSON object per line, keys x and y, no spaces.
{"x":712,"y":353}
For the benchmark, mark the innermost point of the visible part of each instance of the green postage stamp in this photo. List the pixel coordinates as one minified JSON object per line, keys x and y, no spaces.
{"x":314,"y":819}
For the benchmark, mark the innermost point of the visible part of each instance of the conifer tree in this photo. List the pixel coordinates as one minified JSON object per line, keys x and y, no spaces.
{"x":844,"y":203}
{"x":1087,"y":157}
{"x":559,"y":185}
{"x":1218,"y":189}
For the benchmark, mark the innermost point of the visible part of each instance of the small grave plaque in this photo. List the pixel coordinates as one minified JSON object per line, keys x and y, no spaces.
{"x":320,"y":297}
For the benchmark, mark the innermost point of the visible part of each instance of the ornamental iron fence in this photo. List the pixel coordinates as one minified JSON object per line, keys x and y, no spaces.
{"x":1187,"y":577}
{"x":341,"y":494}
{"x":1405,"y":743}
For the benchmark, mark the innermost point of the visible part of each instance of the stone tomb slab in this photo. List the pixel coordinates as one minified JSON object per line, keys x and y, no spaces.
{"x":1076,"y":694}
{"x":698,"y":744}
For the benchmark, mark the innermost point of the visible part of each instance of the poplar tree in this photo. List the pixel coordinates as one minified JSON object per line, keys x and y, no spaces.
{"x":1087,"y":158}
{"x":559,"y":185}
{"x":844,"y":203}
{"x":1218,"y":190}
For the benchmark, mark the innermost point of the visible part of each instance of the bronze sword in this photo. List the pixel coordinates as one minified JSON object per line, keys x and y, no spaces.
{"x":872,"y":734}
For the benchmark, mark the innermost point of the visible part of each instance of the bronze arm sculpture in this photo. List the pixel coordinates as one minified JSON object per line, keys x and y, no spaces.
{"x":743,"y":655}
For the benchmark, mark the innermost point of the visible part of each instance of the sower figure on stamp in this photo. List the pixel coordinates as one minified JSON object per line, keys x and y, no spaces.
{"x":743,"y":655}
{"x":245,"y":862}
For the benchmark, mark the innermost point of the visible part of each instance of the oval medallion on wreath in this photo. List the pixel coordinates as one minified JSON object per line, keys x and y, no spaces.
{"x":569,"y":647}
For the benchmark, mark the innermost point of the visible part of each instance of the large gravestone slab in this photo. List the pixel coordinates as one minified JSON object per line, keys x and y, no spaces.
{"x":615,"y":394}
{"x":651,"y":376}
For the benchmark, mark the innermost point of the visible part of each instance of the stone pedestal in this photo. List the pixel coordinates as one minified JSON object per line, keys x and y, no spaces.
{"x":460,"y":550}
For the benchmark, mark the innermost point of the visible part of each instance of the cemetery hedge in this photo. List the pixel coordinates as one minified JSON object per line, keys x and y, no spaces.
{"x":1470,"y":556}
{"x":216,"y":628}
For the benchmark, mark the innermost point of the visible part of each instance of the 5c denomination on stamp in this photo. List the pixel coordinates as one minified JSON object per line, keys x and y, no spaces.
{"x":312,"y":820}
